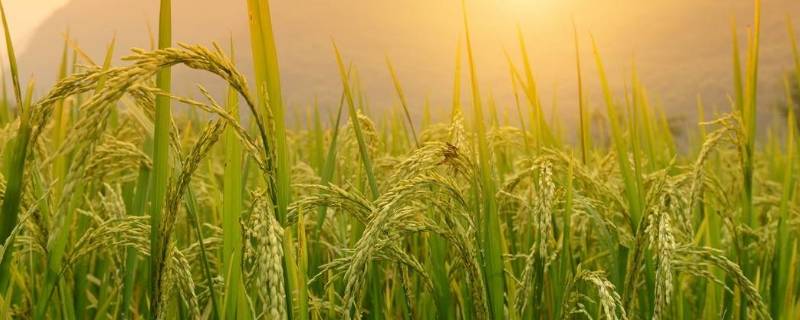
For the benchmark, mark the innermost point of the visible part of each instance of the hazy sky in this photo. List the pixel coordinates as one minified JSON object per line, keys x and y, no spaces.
{"x":682,"y":48}
{"x":26,"y":15}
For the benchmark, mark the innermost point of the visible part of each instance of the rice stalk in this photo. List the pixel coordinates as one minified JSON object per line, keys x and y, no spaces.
{"x":16,"y":166}
{"x":489,"y":225}
{"x":161,"y":164}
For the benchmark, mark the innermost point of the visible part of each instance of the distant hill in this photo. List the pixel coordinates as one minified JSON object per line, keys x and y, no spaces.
{"x":681,"y":47}
{"x":93,"y":23}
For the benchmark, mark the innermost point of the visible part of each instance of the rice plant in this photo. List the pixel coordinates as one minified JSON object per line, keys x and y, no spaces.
{"x":117,"y":205}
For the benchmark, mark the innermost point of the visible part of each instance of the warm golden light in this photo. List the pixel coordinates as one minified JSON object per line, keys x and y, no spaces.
{"x":420,"y":37}
{"x":528,"y":4}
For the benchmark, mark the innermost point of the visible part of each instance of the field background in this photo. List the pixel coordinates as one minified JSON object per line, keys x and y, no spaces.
{"x":681,"y":47}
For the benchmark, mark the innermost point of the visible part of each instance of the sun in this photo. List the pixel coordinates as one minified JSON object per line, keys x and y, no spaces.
{"x":528,"y":4}
{"x":522,"y":9}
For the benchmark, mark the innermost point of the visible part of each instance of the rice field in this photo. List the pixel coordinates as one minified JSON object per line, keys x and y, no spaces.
{"x":117,"y":206}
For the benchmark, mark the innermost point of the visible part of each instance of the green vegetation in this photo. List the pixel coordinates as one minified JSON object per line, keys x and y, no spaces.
{"x":114,"y":205}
